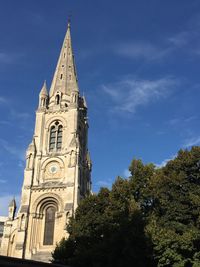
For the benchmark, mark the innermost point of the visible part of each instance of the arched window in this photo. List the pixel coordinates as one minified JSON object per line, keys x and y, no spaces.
{"x":55,"y":139}
{"x":22,"y":226}
{"x":49,"y":225}
{"x":57,"y":99}
{"x":52,"y":141}
{"x":59,"y":138}
{"x":42,"y":102}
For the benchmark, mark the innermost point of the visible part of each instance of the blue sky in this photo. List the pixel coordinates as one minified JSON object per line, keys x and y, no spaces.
{"x":138,"y":65}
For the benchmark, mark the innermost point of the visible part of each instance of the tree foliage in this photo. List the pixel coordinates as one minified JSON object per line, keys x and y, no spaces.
{"x":150,"y":219}
{"x":175,"y":215}
{"x":108,"y":230}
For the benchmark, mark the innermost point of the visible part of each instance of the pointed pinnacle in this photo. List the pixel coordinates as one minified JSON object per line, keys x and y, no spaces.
{"x":44,"y":89}
{"x":84,"y":102}
{"x":12,"y":203}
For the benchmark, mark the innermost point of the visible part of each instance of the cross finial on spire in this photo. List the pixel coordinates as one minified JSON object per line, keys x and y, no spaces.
{"x":69,"y":22}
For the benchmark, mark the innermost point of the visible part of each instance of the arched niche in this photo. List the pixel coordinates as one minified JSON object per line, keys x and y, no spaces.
{"x":46,"y":212}
{"x":52,"y":169}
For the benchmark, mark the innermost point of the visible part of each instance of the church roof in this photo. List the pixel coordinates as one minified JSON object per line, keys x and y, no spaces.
{"x":65,"y":78}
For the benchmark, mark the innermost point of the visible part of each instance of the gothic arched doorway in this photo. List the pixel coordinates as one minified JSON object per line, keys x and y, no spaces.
{"x":49,"y":225}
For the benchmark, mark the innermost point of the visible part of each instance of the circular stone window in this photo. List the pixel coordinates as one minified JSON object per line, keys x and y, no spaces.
{"x":52,"y":170}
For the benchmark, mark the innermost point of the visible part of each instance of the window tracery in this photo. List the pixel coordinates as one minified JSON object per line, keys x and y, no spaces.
{"x":55,"y":138}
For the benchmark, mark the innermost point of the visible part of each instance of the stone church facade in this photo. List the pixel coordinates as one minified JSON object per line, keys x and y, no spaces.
{"x":58,"y":167}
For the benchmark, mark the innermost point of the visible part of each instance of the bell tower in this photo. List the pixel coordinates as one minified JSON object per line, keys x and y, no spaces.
{"x":58,"y":165}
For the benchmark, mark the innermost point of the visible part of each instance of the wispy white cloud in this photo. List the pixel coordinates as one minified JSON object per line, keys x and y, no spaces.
{"x":21,"y":164}
{"x":126,"y":173}
{"x":144,"y":50}
{"x":7,"y":57}
{"x":14,"y":113}
{"x":104,"y":183}
{"x":3,"y":100}
{"x":193,"y":141}
{"x":19,"y":115}
{"x":181,"y":38}
{"x":128,"y":94}
{"x":4,"y":122}
{"x":188,"y":39}
{"x":164,"y":162}
{"x":3,"y":181}
{"x":160,"y":132}
{"x":12,"y":150}
{"x":181,"y":120}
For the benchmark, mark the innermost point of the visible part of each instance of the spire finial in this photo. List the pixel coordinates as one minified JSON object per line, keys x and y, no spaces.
{"x":69,"y":22}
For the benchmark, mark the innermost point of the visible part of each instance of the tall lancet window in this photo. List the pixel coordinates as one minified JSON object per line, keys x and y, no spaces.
{"x":55,"y":138}
{"x":59,"y":138}
{"x":49,"y":225}
{"x":58,"y":97}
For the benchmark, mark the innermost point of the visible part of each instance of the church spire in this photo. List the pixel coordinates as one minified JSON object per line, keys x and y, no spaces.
{"x":65,"y":78}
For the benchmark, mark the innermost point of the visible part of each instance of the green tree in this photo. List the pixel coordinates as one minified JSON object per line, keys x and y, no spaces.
{"x":150,"y":219}
{"x":173,"y":222}
{"x":107,"y":230}
{"x":141,"y":175}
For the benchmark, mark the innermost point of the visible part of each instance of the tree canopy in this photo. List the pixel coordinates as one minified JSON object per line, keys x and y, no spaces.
{"x":150,"y":219}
